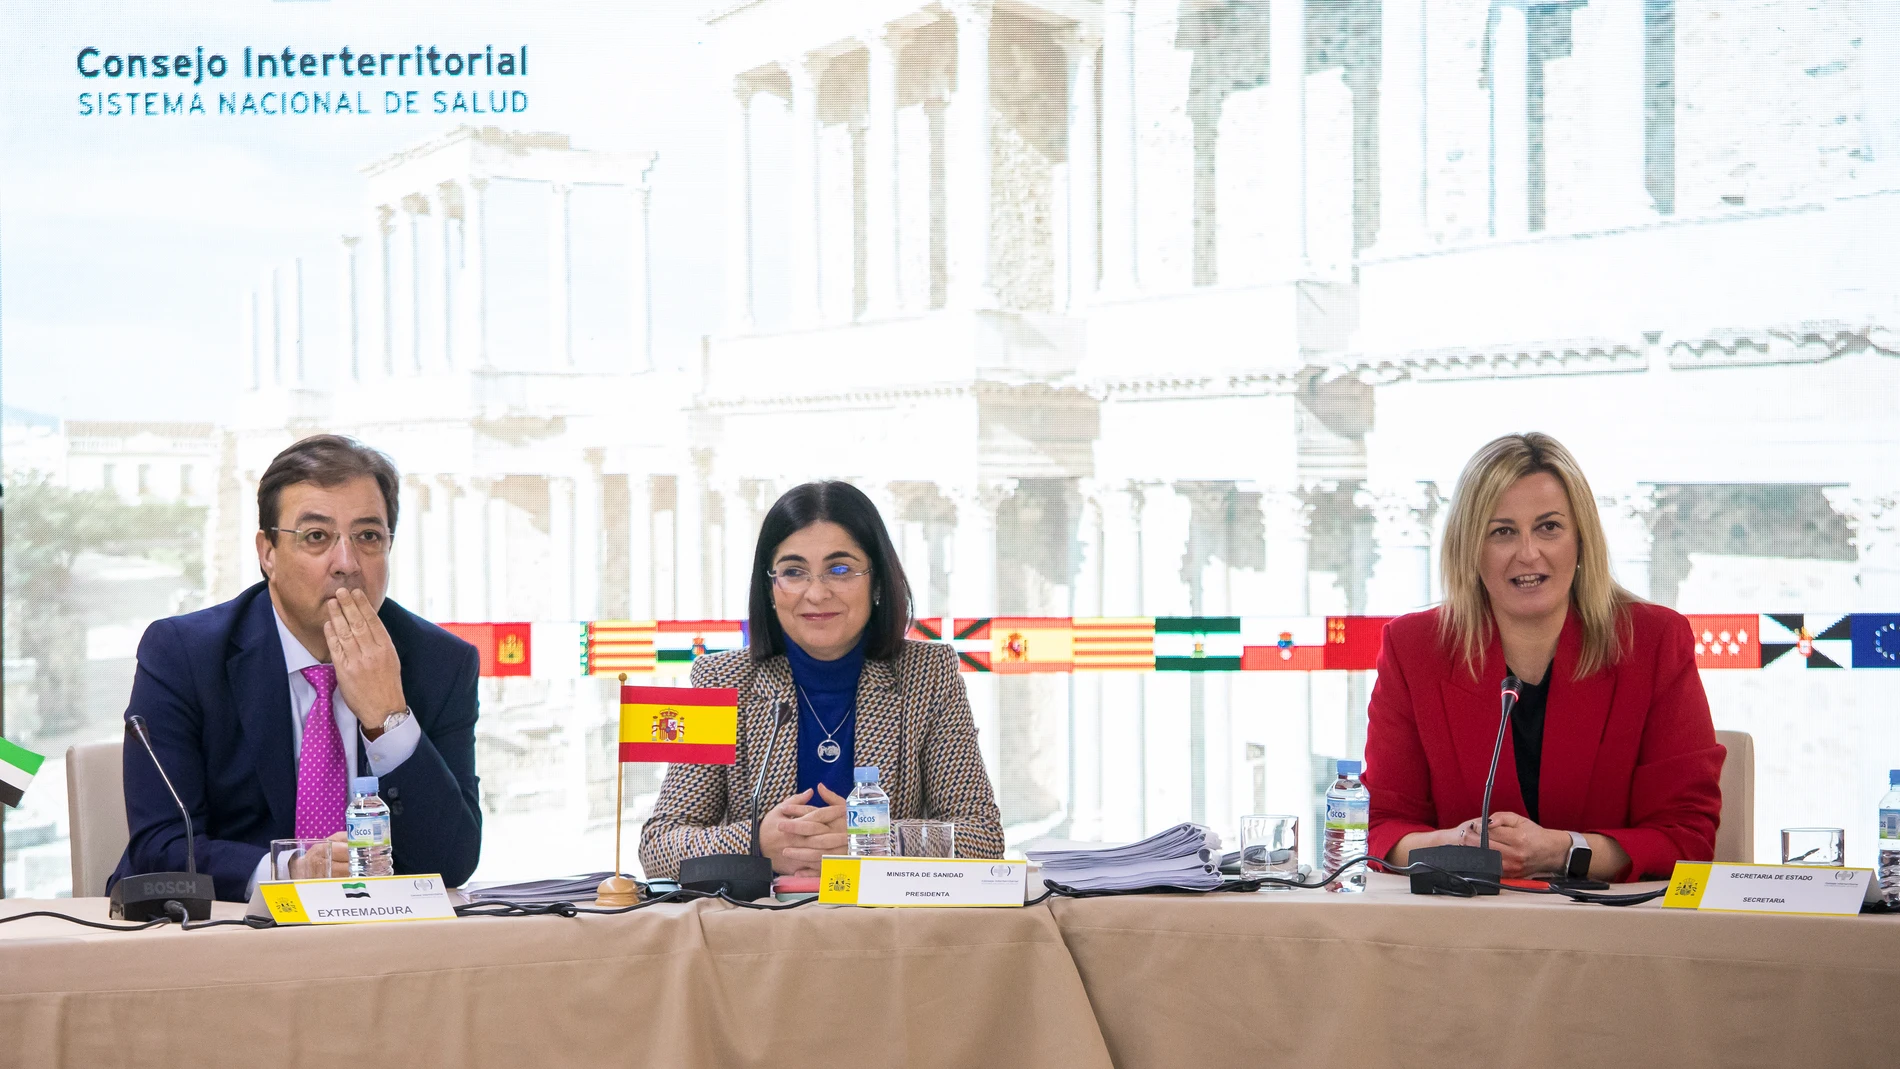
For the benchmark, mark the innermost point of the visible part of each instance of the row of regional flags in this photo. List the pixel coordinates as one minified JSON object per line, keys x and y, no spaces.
{"x":664,"y":650}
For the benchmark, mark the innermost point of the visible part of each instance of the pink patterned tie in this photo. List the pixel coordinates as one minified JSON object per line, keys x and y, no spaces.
{"x":320,"y":770}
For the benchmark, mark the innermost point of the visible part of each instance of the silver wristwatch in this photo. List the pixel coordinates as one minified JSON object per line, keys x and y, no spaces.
{"x":395,"y":719}
{"x":1577,"y":864}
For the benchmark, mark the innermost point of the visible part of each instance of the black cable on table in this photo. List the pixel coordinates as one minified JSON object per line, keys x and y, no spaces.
{"x":153,"y":923}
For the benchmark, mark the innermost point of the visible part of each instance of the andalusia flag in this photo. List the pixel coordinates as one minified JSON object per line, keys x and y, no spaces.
{"x":18,"y":766}
{"x":679,"y":725}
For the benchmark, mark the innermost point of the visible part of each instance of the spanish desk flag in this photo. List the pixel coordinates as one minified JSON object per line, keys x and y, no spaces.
{"x":18,"y":766}
{"x":680,"y":725}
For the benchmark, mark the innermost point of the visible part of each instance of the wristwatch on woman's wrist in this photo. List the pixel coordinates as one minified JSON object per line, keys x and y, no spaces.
{"x":1577,"y":865}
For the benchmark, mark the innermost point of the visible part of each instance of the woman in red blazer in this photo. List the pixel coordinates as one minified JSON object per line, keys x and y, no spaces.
{"x":1610,"y":748}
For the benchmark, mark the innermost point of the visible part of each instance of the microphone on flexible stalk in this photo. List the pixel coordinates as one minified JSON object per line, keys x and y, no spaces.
{"x":746,"y":877}
{"x":155,"y":894}
{"x":1457,"y":866}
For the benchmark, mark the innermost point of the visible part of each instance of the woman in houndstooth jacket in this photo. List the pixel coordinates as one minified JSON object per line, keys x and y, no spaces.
{"x":829,"y":610}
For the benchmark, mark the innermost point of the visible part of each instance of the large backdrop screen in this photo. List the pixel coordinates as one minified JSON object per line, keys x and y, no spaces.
{"x":1158,"y":330}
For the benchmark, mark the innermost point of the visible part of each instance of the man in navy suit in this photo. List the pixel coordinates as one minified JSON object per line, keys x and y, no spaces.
{"x":263,"y":708}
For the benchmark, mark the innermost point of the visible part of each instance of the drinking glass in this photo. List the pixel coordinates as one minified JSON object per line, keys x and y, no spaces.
{"x":925,"y":838}
{"x":307,"y":859}
{"x":1813,"y":846}
{"x":1270,"y":846}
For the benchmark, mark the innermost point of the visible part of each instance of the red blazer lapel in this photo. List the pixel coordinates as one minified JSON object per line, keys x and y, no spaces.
{"x":1471,"y":711}
{"x":1575,"y":717}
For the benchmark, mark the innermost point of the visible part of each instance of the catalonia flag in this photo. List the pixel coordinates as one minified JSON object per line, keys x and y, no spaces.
{"x":679,"y":725}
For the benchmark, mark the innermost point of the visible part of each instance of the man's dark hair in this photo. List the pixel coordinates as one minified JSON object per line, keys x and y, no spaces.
{"x":845,"y":505}
{"x":326,"y":460}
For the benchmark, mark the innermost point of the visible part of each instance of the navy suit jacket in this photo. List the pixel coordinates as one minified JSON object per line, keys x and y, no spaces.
{"x":215,"y":696}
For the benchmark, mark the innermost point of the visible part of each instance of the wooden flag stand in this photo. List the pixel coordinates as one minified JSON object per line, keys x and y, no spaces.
{"x":616,"y":891}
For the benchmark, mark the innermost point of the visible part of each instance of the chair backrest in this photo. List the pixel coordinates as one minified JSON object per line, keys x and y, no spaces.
{"x":1735,"y":839}
{"x":95,"y":808}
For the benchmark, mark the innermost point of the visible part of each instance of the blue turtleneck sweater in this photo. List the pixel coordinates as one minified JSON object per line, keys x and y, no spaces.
{"x":827,"y":693}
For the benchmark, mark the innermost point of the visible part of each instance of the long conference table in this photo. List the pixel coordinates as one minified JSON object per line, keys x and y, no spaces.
{"x":1280,"y":978}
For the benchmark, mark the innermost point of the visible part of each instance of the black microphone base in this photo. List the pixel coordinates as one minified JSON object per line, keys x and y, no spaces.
{"x":1472,"y":862}
{"x":143,"y":898}
{"x":746,"y":877}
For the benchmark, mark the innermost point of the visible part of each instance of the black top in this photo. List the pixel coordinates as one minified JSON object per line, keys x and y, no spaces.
{"x":1527,"y":739}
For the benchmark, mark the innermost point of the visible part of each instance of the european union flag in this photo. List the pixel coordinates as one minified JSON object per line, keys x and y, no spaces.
{"x":1876,"y":640}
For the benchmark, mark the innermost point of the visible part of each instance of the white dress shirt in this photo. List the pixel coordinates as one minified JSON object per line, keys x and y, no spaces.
{"x":386,"y":752}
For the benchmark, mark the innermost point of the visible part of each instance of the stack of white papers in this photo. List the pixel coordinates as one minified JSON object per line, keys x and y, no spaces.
{"x":1183,"y":856}
{"x":577,"y":889}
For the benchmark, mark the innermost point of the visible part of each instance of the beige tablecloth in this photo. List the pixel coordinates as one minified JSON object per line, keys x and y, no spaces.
{"x":702,"y":984}
{"x":1390,"y":979}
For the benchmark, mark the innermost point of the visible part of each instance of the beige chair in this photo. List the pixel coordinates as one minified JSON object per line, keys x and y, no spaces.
{"x":1735,"y":839}
{"x":95,"y":808}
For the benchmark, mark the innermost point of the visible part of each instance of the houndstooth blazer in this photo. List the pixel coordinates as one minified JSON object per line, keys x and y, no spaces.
{"x":914,"y":724}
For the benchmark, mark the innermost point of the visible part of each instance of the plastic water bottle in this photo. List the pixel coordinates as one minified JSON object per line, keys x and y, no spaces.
{"x":367,"y":827}
{"x":867,"y":815}
{"x":1348,"y":813}
{"x":1889,"y":870}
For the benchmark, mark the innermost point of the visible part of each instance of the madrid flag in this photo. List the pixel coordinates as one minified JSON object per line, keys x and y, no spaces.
{"x":679,"y":725}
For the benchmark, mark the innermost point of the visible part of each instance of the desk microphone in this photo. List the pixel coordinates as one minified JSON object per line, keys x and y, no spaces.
{"x":1480,"y":862}
{"x":154,"y":894}
{"x":746,"y":877}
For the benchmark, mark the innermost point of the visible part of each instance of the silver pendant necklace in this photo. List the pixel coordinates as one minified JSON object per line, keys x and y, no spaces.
{"x":828,"y":749}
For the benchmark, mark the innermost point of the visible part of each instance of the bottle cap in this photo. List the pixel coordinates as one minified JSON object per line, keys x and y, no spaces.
{"x":864,"y":774}
{"x":363,"y":785}
{"x":1893,"y":778}
{"x":1350,"y":768}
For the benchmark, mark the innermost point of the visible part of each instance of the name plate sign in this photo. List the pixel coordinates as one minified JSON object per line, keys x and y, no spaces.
{"x":1767,"y":888}
{"x":358,"y":900}
{"x":921,"y":881}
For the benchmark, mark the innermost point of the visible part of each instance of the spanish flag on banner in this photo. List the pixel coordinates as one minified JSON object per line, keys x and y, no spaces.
{"x":679,"y":725}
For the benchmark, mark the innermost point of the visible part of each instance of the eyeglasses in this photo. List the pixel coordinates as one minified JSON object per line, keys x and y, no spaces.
{"x":794,"y":579}
{"x":316,"y":541}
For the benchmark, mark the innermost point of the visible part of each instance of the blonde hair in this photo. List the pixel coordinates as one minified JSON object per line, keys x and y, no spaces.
{"x":1465,"y":623}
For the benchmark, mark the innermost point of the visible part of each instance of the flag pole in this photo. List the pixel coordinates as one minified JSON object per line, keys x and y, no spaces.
{"x":616,"y":890}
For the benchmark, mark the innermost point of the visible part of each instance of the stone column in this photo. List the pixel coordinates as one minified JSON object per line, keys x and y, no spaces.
{"x":1080,"y":267}
{"x":270,"y":329}
{"x":1288,"y":696}
{"x":1121,"y":506}
{"x":561,"y":601}
{"x":560,"y":277}
{"x":472,"y":302}
{"x":1510,"y":123}
{"x":1401,"y":581}
{"x":1403,"y":176}
{"x":1626,"y":519}
{"x":881,"y":280}
{"x":469,"y":531}
{"x":349,"y":344}
{"x":446,"y":208}
{"x":250,"y":339}
{"x":968,"y":162}
{"x":639,"y":545}
{"x":587,"y":536}
{"x":414,"y":207}
{"x":739,"y":209}
{"x":806,"y":301}
{"x":1619,"y":135}
{"x":496,"y":602}
{"x":441,"y":568}
{"x":690,"y":547}
{"x":1286,"y":66}
{"x":383,"y":233}
{"x":412,"y":547}
{"x":1121,"y":252}
{"x":1873,"y":520}
{"x":640,"y":256}
{"x":292,"y":313}
{"x":973,"y":571}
